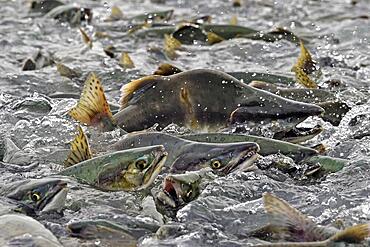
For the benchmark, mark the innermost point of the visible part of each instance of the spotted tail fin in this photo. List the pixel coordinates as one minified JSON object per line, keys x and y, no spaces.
{"x":92,"y":108}
{"x":80,"y":149}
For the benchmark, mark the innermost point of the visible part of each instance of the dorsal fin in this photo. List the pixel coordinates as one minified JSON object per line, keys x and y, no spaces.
{"x":80,"y":149}
{"x":354,"y":234}
{"x":167,"y":69}
{"x":86,"y":38}
{"x":136,"y":88}
{"x":126,"y":61}
{"x":92,"y":108}
{"x":292,"y":224}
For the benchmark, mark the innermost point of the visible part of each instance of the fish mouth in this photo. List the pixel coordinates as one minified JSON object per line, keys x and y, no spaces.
{"x":243,"y":161}
{"x":154,"y":169}
{"x":170,"y":194}
{"x":55,"y":200}
{"x":298,"y":134}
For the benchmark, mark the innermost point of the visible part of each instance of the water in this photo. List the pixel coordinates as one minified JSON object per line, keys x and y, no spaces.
{"x":228,"y":207}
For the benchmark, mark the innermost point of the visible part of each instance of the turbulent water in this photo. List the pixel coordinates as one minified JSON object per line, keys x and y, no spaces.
{"x":228,"y":207}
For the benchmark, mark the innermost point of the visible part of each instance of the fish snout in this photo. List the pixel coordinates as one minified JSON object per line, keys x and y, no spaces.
{"x":270,"y":106}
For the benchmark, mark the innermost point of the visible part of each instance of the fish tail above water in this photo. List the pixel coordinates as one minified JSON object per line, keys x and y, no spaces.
{"x":92,"y":108}
{"x":353,"y":234}
{"x":303,"y":78}
{"x":303,"y":67}
{"x":292,"y":224}
{"x":80,"y":149}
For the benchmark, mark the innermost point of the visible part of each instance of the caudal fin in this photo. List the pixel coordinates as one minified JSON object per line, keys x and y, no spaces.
{"x":80,"y":149}
{"x":291,"y":224}
{"x":354,"y":234}
{"x":304,"y":66}
{"x":92,"y":108}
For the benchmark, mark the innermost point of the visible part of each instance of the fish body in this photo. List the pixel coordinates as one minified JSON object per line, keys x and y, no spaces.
{"x":202,"y":100}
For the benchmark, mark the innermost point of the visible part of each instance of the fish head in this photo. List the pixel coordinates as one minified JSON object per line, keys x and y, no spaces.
{"x":261,"y":106}
{"x":180,"y":189}
{"x":222,"y":158}
{"x":135,"y":170}
{"x":37,"y":196}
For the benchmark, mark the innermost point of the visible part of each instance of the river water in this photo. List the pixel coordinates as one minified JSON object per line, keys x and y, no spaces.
{"x":228,"y":207}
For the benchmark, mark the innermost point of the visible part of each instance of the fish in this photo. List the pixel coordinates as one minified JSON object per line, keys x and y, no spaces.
{"x":185,"y":155}
{"x":202,"y":100}
{"x":71,"y":13}
{"x":108,"y":233}
{"x":68,"y":72}
{"x":128,"y":170}
{"x":267,"y":146}
{"x":37,"y":196}
{"x":291,"y":225}
{"x":22,"y":230}
{"x":178,"y":190}
{"x":171,"y":44}
{"x":44,"y":6}
{"x":116,"y":14}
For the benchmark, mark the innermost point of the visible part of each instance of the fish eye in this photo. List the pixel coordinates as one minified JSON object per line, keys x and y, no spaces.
{"x":190,"y":192}
{"x":216,"y":164}
{"x":141,"y":164}
{"x":35,"y":196}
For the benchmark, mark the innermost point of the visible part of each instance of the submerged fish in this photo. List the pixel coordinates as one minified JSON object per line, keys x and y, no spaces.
{"x":21,"y":230}
{"x":36,"y":196}
{"x":71,"y":13}
{"x":198,"y":99}
{"x":293,"y":226}
{"x":128,"y":170}
{"x":185,"y":155}
{"x":107,"y":233}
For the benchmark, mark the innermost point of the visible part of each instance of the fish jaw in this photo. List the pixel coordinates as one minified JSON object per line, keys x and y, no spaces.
{"x":154,"y":169}
{"x":262,"y":105}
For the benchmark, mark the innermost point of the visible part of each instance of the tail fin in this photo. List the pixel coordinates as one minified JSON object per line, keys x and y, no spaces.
{"x":305,"y":61}
{"x":292,"y":224}
{"x":304,"y":66}
{"x":303,"y":78}
{"x":93,"y":108}
{"x":354,"y":234}
{"x":80,"y":149}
